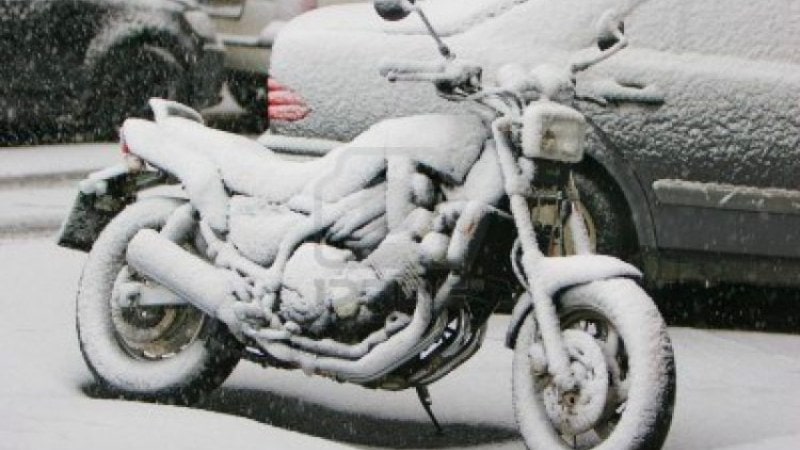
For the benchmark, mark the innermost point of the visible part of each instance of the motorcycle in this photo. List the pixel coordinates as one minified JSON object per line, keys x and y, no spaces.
{"x":379,"y":263}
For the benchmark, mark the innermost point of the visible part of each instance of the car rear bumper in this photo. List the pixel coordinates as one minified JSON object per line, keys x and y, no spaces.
{"x":207,"y":75}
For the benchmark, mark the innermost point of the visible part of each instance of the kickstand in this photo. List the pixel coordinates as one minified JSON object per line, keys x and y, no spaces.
{"x":425,"y":399}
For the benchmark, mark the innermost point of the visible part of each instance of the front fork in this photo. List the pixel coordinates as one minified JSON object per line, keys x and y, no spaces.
{"x":518,"y":178}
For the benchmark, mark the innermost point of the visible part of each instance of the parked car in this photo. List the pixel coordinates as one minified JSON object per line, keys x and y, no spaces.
{"x":98,"y":61}
{"x":248,"y":29}
{"x":695,"y":151}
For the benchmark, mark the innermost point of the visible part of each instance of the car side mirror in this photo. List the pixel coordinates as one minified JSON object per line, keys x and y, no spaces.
{"x":394,"y":10}
{"x":610,"y":39}
{"x":607,"y":40}
{"x":610,"y":30}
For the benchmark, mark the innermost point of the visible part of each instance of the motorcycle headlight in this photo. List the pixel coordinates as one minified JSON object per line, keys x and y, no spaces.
{"x":201,"y":24}
{"x":554,"y":132}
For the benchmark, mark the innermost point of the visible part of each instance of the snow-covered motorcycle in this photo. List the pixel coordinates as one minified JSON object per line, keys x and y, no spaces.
{"x":378,"y":264}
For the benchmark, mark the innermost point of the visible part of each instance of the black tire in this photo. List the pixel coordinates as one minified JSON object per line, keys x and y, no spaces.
{"x":608,"y":214}
{"x":125,"y":79}
{"x":250,"y":92}
{"x":642,"y":358}
{"x":201,"y":353}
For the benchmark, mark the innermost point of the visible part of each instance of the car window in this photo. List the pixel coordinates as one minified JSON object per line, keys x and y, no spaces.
{"x":756,"y":29}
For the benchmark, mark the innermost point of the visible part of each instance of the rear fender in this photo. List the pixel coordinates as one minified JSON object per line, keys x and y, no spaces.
{"x":198,"y":173}
{"x":102,"y":196}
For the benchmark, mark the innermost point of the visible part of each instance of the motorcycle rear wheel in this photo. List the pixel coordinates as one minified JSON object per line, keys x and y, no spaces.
{"x":626,"y":327}
{"x":170,"y":354}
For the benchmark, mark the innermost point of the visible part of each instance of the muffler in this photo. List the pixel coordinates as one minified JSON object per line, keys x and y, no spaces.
{"x":190,"y":277}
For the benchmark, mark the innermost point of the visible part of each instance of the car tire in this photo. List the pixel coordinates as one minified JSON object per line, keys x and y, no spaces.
{"x":607,"y":213}
{"x":606,"y":216}
{"x":126,"y":78}
{"x":250,"y":92}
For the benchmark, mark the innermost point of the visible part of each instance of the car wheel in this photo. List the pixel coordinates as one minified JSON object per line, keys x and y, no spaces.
{"x":606,"y":216}
{"x":126,"y":79}
{"x":250,"y":92}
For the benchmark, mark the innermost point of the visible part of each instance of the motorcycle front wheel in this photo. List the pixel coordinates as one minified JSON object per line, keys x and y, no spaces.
{"x":165,"y":354}
{"x":624,"y":369}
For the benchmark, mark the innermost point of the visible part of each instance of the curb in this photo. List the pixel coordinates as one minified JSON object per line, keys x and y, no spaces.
{"x":42,"y":226}
{"x":43,"y":179}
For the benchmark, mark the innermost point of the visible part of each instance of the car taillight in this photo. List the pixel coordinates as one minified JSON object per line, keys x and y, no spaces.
{"x":134,"y":163}
{"x":123,"y":145}
{"x":285,"y":104}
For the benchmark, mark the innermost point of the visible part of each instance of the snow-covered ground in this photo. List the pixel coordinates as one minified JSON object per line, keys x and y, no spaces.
{"x":736,"y":391}
{"x":38,"y":184}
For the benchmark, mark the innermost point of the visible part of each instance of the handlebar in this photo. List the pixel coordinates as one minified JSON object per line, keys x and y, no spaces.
{"x":406,"y":66}
{"x":448,"y":76}
{"x":410,"y":70}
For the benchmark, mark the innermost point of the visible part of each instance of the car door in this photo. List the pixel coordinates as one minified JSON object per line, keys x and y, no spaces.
{"x":720,"y":158}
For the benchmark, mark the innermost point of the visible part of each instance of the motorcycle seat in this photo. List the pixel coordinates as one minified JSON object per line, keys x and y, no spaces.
{"x":211,"y":163}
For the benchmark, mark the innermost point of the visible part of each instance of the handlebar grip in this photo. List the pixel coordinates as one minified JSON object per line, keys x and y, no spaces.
{"x":410,"y":67}
{"x":423,"y":77}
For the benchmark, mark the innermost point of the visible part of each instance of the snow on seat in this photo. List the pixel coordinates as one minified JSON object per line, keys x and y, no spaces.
{"x":208,"y":161}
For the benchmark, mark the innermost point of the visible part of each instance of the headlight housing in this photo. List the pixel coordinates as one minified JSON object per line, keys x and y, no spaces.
{"x":554,"y":132}
{"x":201,"y":24}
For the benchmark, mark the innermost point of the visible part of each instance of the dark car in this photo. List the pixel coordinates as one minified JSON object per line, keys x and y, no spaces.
{"x":97,"y":61}
{"x":693,"y":167}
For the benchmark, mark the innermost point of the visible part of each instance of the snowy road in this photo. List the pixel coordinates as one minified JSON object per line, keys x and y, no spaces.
{"x":38,"y":184}
{"x":737,"y":391}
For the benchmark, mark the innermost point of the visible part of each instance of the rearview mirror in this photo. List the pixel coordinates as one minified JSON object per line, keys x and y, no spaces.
{"x":607,"y":40}
{"x":610,"y":29}
{"x":394,"y":10}
{"x":610,"y":39}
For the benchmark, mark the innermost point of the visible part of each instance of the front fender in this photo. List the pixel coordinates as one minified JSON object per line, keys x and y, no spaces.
{"x":554,"y":275}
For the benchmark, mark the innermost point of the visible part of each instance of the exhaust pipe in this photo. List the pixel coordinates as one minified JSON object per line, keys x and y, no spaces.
{"x":188,"y":276}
